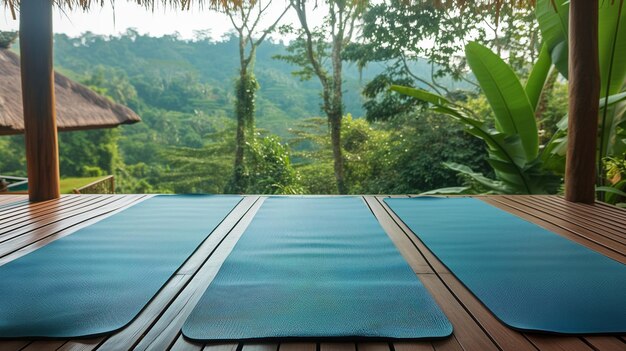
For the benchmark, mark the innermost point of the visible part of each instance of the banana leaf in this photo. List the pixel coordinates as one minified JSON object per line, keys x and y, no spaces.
{"x":553,"y":19}
{"x":538,"y":75}
{"x":506,"y":154}
{"x":513,"y":111}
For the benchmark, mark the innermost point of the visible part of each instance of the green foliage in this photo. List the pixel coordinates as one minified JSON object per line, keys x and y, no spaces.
{"x":514,"y":114}
{"x":612,"y":49}
{"x":88,"y":153}
{"x":399,"y":157}
{"x":553,"y":19}
{"x":512,"y":149}
{"x":538,"y":76}
{"x":7,"y":39}
{"x":271,"y":171}
{"x":12,"y":156}
{"x":393,"y":32}
{"x":184,"y":144}
{"x":245,"y":99}
{"x":615,"y":193}
{"x":196,"y":75}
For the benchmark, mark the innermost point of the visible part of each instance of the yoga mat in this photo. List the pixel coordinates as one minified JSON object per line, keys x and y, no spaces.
{"x":315,"y":267}
{"x":530,"y":278}
{"x":99,"y":278}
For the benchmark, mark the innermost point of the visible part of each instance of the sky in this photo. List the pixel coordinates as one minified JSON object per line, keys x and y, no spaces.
{"x":127,"y":14}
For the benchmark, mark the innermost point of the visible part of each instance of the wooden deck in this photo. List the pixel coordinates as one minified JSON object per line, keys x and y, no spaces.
{"x":25,"y":227}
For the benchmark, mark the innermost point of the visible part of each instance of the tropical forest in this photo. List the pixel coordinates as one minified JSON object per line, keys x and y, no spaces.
{"x":386,"y":97}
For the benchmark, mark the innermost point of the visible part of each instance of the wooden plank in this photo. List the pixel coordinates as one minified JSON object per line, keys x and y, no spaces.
{"x":605,"y":343}
{"x":24,"y":244}
{"x":47,"y":345}
{"x":8,"y":197}
{"x":182,"y":344}
{"x":35,"y":210}
{"x":558,"y":343}
{"x":298,"y":346}
{"x":467,"y":331}
{"x":18,"y":226}
{"x":604,"y":240}
{"x":406,"y":247}
{"x":19,"y":229}
{"x":413,"y":346}
{"x":13,"y":345}
{"x":598,"y":208}
{"x":373,"y":346}
{"x":596,"y":211}
{"x":433,"y":262}
{"x":221,"y":347}
{"x":575,"y":218}
{"x":31,"y":207}
{"x":8,"y":201}
{"x":339,"y":346}
{"x":81,"y":344}
{"x":582,"y":214}
{"x":160,"y":321}
{"x":260,"y":347}
{"x":614,"y":210}
{"x":448,"y":344}
{"x":506,"y":338}
{"x":583,"y":240}
{"x":201,"y":271}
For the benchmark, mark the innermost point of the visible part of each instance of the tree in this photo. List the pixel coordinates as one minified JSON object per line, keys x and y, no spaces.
{"x":403,"y":33}
{"x":312,"y":49}
{"x":246,"y":18}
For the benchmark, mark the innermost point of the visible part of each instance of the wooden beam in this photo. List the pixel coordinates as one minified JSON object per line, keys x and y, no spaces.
{"x":42,"y":154}
{"x":584,"y":94}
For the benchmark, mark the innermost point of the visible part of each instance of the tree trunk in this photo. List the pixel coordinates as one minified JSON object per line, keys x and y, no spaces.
{"x":42,"y":151}
{"x":584,"y":92}
{"x":238,"y":185}
{"x":244,"y":110}
{"x":335,"y":113}
{"x":335,"y":137}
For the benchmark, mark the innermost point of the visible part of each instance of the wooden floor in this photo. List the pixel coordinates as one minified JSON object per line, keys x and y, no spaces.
{"x":25,"y":227}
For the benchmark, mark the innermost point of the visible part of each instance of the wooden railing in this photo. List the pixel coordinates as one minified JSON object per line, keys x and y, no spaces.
{"x":105,"y":185}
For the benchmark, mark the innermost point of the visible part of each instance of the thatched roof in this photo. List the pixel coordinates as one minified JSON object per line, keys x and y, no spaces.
{"x":13,"y":5}
{"x":77,"y":106}
{"x":85,"y":5}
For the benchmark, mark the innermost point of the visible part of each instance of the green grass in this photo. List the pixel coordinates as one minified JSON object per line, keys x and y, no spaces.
{"x":69,"y":184}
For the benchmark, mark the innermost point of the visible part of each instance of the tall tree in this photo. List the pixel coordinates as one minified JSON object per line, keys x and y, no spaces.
{"x":400,"y":33}
{"x":311,"y":51}
{"x":246,"y":18}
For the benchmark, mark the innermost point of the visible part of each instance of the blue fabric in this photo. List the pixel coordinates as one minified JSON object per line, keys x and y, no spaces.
{"x":530,"y":278}
{"x":315,"y":267}
{"x":98,"y":279}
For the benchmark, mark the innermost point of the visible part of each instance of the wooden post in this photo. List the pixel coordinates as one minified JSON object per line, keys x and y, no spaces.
{"x":42,"y":153}
{"x":584,"y":94}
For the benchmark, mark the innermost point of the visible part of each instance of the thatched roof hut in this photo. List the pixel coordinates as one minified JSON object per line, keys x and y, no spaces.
{"x":77,"y":106}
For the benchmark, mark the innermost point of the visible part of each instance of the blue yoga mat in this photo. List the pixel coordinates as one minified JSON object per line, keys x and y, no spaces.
{"x":530,"y":278}
{"x":315,"y":268}
{"x":99,"y":278}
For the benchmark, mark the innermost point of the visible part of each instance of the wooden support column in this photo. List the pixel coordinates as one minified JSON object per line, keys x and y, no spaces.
{"x":584,"y":94}
{"x":42,"y":152}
